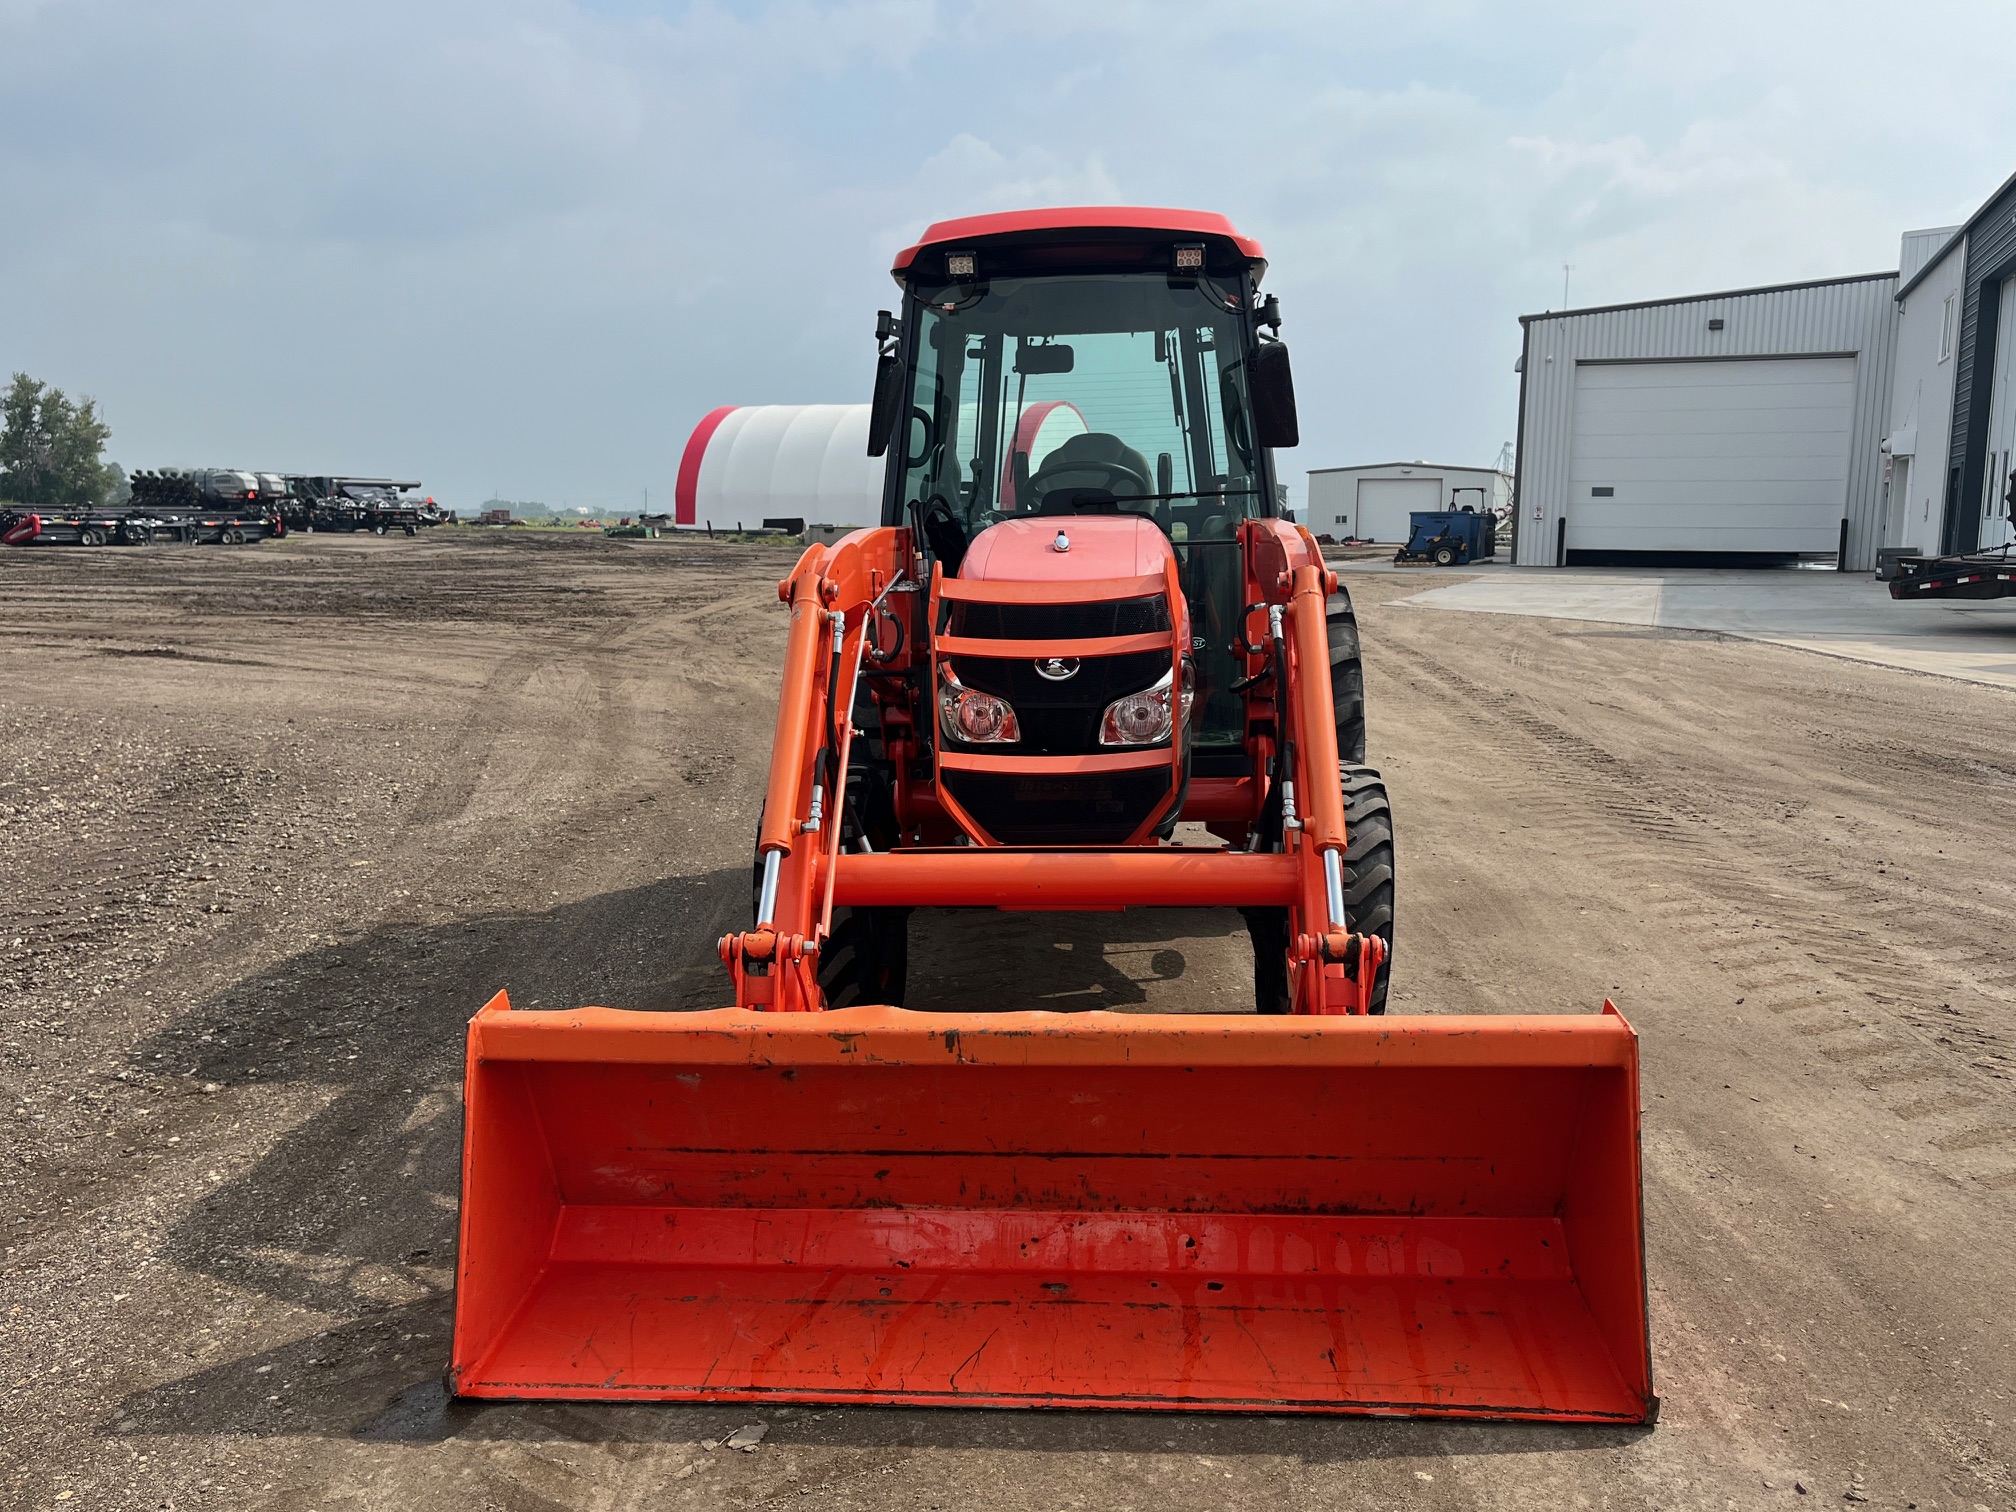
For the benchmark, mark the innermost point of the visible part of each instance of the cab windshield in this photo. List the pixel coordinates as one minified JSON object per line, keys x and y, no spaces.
{"x":1102,"y":393}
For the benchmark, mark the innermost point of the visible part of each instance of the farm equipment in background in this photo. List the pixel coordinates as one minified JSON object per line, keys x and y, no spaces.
{"x":54,"y":526}
{"x":1052,"y":651}
{"x":214,"y":506}
{"x":1449,"y":537}
{"x":224,"y":505}
{"x":377,"y":505}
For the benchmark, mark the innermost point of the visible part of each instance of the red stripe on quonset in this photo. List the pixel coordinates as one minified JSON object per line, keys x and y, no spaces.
{"x":1025,"y":441}
{"x":685,"y":490}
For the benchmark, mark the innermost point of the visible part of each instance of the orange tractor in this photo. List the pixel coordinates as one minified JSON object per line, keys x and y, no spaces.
{"x":1083,"y":622}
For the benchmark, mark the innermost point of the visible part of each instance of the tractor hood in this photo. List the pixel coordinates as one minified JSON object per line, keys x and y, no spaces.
{"x":1099,"y":547}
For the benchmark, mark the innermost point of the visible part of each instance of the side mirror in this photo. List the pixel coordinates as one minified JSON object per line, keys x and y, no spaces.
{"x":1274,"y":397}
{"x":888,"y":398}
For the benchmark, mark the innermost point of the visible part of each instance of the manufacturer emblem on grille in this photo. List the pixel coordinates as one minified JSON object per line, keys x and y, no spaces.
{"x":1056,"y":668}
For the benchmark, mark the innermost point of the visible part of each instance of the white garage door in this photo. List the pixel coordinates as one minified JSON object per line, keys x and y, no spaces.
{"x":1711,"y":456}
{"x":1385,"y":503}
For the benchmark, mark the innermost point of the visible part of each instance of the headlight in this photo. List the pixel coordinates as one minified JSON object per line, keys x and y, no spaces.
{"x":972,"y":717}
{"x":1144,"y":718}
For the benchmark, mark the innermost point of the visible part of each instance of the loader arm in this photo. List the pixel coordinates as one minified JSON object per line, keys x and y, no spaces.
{"x":835,"y":596}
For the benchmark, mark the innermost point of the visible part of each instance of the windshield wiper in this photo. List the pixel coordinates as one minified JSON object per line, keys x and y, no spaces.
{"x":1209,"y":493}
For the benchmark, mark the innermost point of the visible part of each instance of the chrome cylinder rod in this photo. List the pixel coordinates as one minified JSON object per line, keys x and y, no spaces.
{"x":766,"y":901}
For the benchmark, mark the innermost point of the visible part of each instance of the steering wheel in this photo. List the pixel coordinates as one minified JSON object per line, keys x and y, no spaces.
{"x":1046,"y":476}
{"x":1115,"y":473}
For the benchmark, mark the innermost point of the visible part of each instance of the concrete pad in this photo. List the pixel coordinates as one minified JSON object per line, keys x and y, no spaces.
{"x":1835,"y":614}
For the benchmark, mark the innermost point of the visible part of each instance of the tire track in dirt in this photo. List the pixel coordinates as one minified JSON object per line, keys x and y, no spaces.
{"x":1824,"y":977}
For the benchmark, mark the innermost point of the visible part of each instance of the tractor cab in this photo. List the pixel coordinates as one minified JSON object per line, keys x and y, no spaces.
{"x":1099,"y":379}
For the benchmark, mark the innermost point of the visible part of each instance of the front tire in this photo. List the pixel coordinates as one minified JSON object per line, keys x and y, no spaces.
{"x":1369,"y":864}
{"x":866,"y":958}
{"x":1268,"y":928}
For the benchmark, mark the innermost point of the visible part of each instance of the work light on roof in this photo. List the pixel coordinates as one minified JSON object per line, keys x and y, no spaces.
{"x":961,"y":264}
{"x":1190,"y":258}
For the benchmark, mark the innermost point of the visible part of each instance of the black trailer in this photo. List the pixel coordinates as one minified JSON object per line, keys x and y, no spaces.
{"x":1974,"y":575}
{"x":59,"y":525}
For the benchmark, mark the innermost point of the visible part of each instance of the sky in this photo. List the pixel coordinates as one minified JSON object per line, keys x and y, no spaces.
{"x":519,"y":247}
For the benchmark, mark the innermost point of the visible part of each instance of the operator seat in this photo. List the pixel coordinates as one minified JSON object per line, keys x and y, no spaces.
{"x":1092,"y":460}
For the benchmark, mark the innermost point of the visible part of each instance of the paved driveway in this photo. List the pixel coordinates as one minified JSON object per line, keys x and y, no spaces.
{"x":1840,"y":615}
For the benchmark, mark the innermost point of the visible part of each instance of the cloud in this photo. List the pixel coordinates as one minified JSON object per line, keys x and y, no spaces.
{"x":524,"y":244}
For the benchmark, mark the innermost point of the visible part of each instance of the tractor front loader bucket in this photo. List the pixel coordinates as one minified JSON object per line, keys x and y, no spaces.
{"x":1327,"y":1214}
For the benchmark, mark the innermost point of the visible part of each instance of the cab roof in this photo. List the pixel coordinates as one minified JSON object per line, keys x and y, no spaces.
{"x":1104,"y":222}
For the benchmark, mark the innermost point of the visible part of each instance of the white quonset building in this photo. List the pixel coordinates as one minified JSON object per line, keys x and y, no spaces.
{"x":748,"y":463}
{"x":1373,"y":502}
{"x":754,"y":462}
{"x":1744,"y":422}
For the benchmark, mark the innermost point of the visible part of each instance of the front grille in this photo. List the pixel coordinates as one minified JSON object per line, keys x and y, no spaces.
{"x":1060,"y":718}
{"x":1033,"y":808}
{"x":1135,"y":616}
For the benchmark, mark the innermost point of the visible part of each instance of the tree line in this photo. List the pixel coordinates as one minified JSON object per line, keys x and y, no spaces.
{"x":52,"y":448}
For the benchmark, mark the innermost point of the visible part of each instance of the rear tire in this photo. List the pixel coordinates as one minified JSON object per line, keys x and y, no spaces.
{"x":1368,"y":893}
{"x":1347,"y":677}
{"x":1445,"y":556}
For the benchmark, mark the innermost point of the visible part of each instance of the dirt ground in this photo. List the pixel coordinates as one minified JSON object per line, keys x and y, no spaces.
{"x":275,"y":820}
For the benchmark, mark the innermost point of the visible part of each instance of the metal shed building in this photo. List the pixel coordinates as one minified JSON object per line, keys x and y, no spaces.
{"x":1373,"y":501}
{"x":1979,"y":460}
{"x":1932,"y":268}
{"x":1748,"y":421}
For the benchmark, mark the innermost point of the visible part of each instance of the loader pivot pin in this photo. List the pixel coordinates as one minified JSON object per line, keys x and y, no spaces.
{"x":1361,"y":957}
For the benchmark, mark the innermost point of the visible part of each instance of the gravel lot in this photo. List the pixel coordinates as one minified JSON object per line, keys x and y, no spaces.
{"x":275,"y":820}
